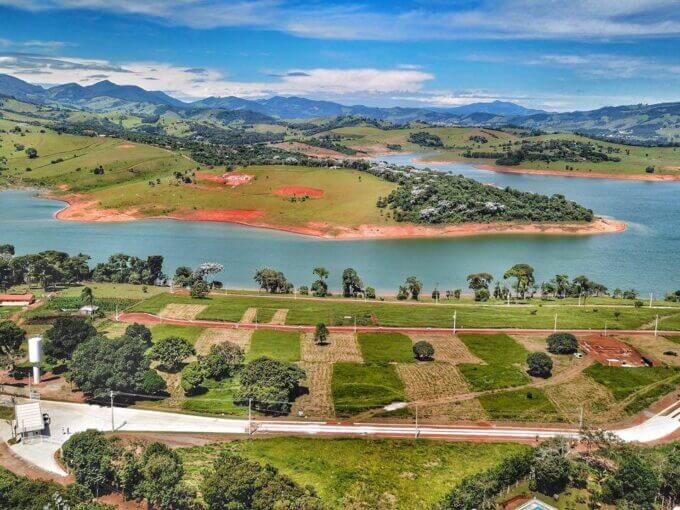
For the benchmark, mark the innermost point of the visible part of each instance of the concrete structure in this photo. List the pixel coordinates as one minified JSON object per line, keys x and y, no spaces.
{"x":35,"y":356}
{"x":29,"y":421}
{"x":89,"y":309}
{"x":16,"y":299}
{"x":536,"y":504}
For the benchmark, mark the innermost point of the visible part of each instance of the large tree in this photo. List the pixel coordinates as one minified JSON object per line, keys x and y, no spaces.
{"x":171,"y":352}
{"x":524,"y":278}
{"x":273,"y":281}
{"x":270,"y":383}
{"x":320,"y":286}
{"x":414,"y":287}
{"x":161,"y":482}
{"x":11,"y":338}
{"x":351,"y":283}
{"x":91,"y":456}
{"x":66,"y":335}
{"x":478,"y":281}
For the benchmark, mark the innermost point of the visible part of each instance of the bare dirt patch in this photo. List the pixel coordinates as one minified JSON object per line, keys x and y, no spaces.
{"x":114,"y":329}
{"x":318,"y":402}
{"x":598,"y":403}
{"x":234,"y":179}
{"x":279,"y":316}
{"x":431,"y":380}
{"x":184,"y":312}
{"x":299,"y":191}
{"x":209,"y":177}
{"x":341,"y":347}
{"x":532,"y":342}
{"x":125,"y":146}
{"x":447,"y":348}
{"x":213,"y":336}
{"x":610,"y":350}
{"x":655,"y":347}
{"x":463,"y":410}
{"x":225,"y":215}
{"x":249,"y":316}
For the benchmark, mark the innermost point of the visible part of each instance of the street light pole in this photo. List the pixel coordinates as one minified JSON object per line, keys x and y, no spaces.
{"x":112,"y":423}
{"x":455,"y":313}
{"x":555,"y":325}
{"x":651,"y":294}
{"x":656,"y":326}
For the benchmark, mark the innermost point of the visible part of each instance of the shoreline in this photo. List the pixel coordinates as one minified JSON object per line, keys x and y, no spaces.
{"x":87,"y":211}
{"x":557,"y":173}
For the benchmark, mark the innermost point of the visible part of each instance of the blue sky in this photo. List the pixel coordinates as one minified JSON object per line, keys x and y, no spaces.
{"x":557,"y":55}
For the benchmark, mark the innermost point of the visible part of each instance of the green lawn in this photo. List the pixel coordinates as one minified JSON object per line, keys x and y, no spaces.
{"x":189,"y":333}
{"x":116,"y":290}
{"x":280,"y":345}
{"x":390,"y":313}
{"x":363,"y":473}
{"x":502,"y":355}
{"x":520,"y":405}
{"x":623,"y":382}
{"x":492,"y":377}
{"x":386,"y":347}
{"x":219,"y":399}
{"x":356,"y":387}
{"x":6,"y":311}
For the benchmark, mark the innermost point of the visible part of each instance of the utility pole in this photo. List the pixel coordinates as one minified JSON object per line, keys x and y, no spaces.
{"x":580,"y":421}
{"x":250,"y":417}
{"x":605,"y":330}
{"x":656,"y":326}
{"x":112,"y":423}
{"x":417,"y":431}
{"x":555,"y":325}
{"x":650,"y":299}
{"x":455,"y":314}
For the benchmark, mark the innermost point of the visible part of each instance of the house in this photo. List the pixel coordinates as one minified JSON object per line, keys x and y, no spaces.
{"x":29,"y":420}
{"x":16,"y":299}
{"x":89,"y":309}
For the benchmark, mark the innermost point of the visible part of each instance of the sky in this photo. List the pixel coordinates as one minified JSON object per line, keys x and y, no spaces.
{"x":549,"y":54}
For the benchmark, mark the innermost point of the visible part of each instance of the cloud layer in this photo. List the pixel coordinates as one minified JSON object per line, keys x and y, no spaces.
{"x":405,"y":20}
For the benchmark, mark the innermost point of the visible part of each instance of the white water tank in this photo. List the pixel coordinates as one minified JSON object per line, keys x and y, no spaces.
{"x":35,"y":354}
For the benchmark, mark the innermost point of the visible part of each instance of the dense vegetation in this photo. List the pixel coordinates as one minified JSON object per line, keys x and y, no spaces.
{"x":556,"y":150}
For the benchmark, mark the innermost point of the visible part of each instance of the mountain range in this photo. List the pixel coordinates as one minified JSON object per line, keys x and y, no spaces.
{"x":659,"y":123}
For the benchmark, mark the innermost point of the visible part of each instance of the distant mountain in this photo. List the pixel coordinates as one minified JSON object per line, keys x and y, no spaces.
{"x":493,"y":107}
{"x":75,"y":94}
{"x":11,"y":86}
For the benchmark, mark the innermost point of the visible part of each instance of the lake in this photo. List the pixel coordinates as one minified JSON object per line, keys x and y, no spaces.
{"x":645,"y":257}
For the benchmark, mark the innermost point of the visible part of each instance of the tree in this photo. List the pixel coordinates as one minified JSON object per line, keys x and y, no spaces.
{"x":65,"y":335}
{"x":7,"y":249}
{"x":482,"y":295}
{"x":207,"y":268}
{"x":170,"y":352}
{"x":272,"y":384}
{"x":635,"y":481}
{"x":524,"y":275}
{"x":221,"y":361}
{"x":370,"y":293}
{"x":273,"y":281}
{"x":11,"y":338}
{"x":402,"y":293}
{"x":320,"y":286}
{"x":184,"y":277}
{"x":321,"y":334}
{"x":414,"y":287}
{"x":91,"y":456}
{"x":423,"y":350}
{"x":562,"y":343}
{"x":139,"y":331}
{"x":162,"y":471}
{"x":478,"y":281}
{"x":87,"y":296}
{"x":192,"y":378}
{"x":100,"y":365}
{"x":540,"y":364}
{"x":31,"y":153}
{"x":199,"y":289}
{"x":551,"y":467}
{"x":670,"y":474}
{"x":351,"y":283}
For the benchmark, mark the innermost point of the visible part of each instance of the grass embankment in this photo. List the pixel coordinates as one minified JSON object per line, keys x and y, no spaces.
{"x":456,"y":141}
{"x":189,"y":333}
{"x":375,"y":313}
{"x":279,"y":345}
{"x":363,"y":473}
{"x":520,"y":405}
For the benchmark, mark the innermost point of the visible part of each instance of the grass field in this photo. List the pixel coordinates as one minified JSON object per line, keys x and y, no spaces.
{"x":116,"y":290}
{"x":218,"y":399}
{"x":356,"y":387}
{"x":189,"y":333}
{"x":624,"y":382}
{"x":280,"y":345}
{"x":385,"y":347}
{"x":503,"y":356}
{"x":363,"y":473}
{"x":457,"y":141}
{"x":6,"y":311}
{"x":520,"y":405}
{"x":333,"y":312}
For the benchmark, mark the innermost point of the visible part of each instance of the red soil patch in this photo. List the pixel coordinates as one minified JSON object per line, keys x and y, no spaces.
{"x":234,"y":179}
{"x":126,"y":146}
{"x":87,"y":209}
{"x":611,"y":351}
{"x":300,"y":191}
{"x":207,"y":176}
{"x":226,"y":215}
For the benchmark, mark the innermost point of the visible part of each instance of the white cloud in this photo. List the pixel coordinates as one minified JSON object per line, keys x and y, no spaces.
{"x":490,"y":19}
{"x":193,"y":83}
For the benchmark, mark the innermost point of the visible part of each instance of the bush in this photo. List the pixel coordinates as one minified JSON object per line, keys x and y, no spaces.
{"x":139,"y":331}
{"x":272,"y":384}
{"x":192,"y":378}
{"x":321,"y":334}
{"x":153,"y":383}
{"x":67,"y":334}
{"x":199,"y":289}
{"x":540,"y":364}
{"x":482,"y":295}
{"x":170,"y":352}
{"x":91,"y":456}
{"x":562,"y":343}
{"x":423,"y":350}
{"x":370,"y":292}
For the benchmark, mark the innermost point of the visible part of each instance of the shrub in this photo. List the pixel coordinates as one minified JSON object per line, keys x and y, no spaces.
{"x":199,"y":289}
{"x":562,"y":343}
{"x":482,"y":295}
{"x":153,"y":383}
{"x":321,"y":334}
{"x":139,"y":331}
{"x":270,"y":383}
{"x":221,"y":361}
{"x":540,"y":364}
{"x":192,"y":378}
{"x":90,"y":455}
{"x":170,"y":352}
{"x":370,"y":292}
{"x":423,"y":350}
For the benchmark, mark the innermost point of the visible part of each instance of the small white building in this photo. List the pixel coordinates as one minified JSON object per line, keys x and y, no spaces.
{"x":28,"y":419}
{"x":89,"y":309}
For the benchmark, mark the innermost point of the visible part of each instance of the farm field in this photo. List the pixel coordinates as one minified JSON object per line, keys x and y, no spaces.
{"x":356,"y":387}
{"x":280,"y":345}
{"x":456,"y":141}
{"x":362,"y":473}
{"x":377,"y":313}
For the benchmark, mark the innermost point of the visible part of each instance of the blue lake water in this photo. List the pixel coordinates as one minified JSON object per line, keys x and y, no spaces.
{"x":645,"y":257}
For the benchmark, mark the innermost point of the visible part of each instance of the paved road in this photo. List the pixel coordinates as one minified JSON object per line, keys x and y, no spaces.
{"x":68,"y":418}
{"x":148,"y":318}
